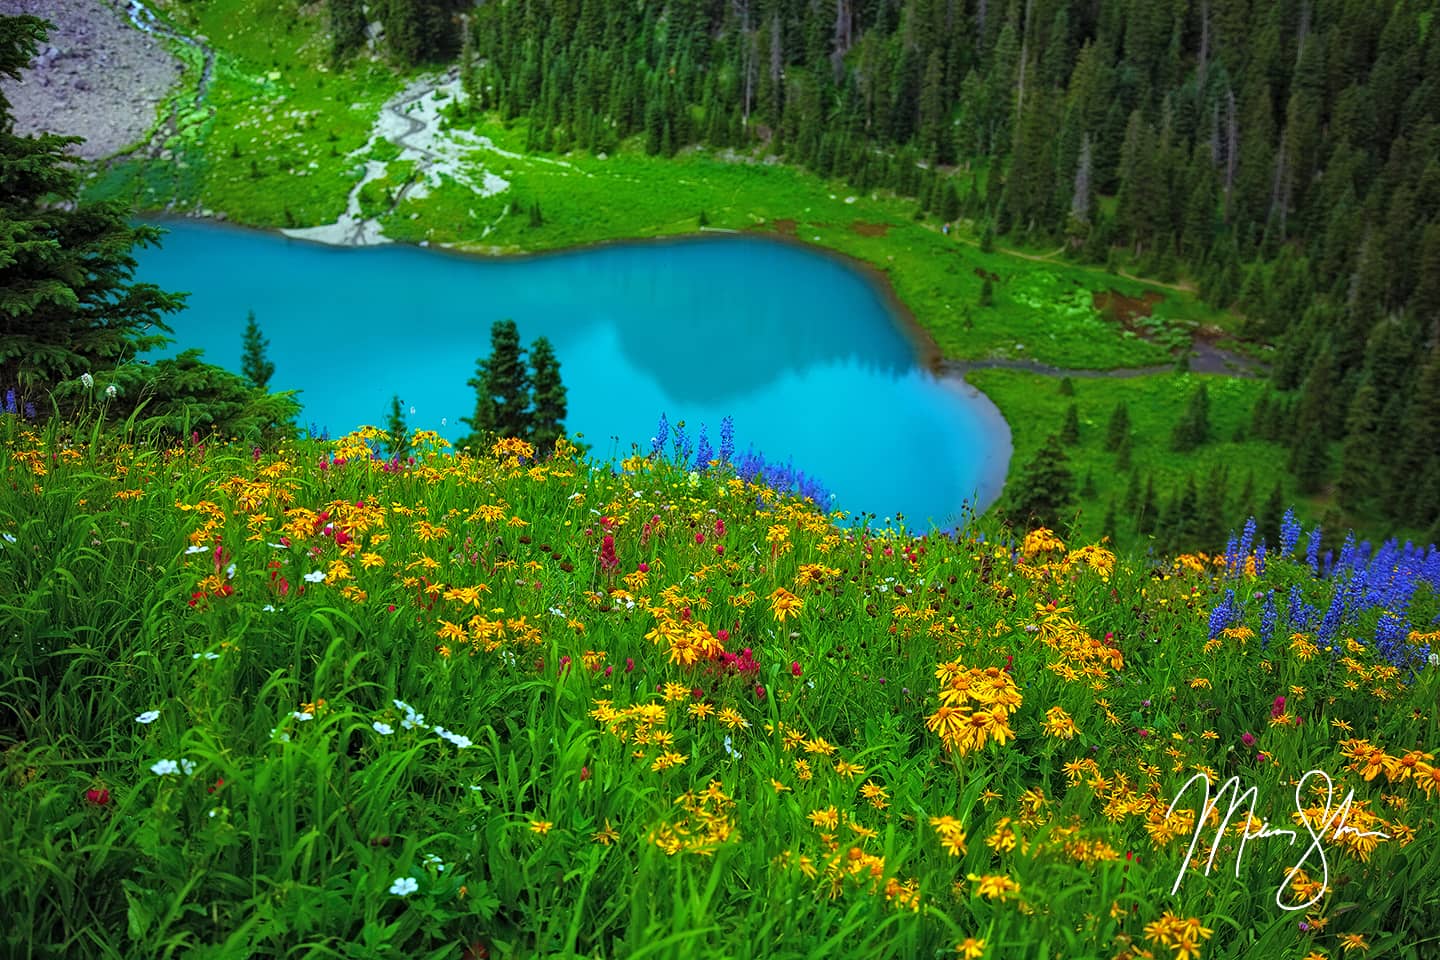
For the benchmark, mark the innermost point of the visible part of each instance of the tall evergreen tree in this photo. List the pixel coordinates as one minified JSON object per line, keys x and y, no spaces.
{"x":1070,"y":429}
{"x":1044,"y":489}
{"x":548,"y":416}
{"x":502,"y":389}
{"x":68,"y":304}
{"x":396,"y":432}
{"x":1117,"y":431}
{"x":1193,"y":427}
{"x":253,"y":361}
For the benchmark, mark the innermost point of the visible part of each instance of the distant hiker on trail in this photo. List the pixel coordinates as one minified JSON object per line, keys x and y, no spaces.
{"x":945,"y":229}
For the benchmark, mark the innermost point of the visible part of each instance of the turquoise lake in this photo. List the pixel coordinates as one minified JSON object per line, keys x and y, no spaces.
{"x":805,"y":353}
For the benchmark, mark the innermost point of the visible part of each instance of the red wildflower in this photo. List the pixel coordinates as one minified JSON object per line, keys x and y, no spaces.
{"x":99,"y":796}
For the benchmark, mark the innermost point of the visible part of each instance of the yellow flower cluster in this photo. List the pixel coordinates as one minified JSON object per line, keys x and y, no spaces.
{"x":706,"y":823}
{"x":975,"y":706}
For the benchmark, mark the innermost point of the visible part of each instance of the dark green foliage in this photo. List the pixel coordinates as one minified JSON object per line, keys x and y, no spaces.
{"x":1070,"y":429}
{"x":702,"y":220}
{"x":1117,"y":431}
{"x":1193,"y":427}
{"x":253,"y":362}
{"x":987,"y":293}
{"x":1067,"y":387}
{"x":1044,"y":489}
{"x":347,"y":28}
{"x":547,"y":419}
{"x":418,"y":31}
{"x":397,"y":433}
{"x":537,"y":219}
{"x":184,"y":395}
{"x":68,"y":305}
{"x":502,"y":389}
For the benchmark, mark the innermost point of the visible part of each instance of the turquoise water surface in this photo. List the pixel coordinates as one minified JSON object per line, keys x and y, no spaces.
{"x":804,"y":352}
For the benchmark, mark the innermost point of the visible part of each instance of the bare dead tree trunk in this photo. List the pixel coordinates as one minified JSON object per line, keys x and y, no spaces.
{"x":1024,"y":59}
{"x":1232,"y":149}
{"x":776,"y":49}
{"x":747,"y":55}
{"x":1080,"y":199}
{"x":1280,"y":185}
{"x":844,"y":27}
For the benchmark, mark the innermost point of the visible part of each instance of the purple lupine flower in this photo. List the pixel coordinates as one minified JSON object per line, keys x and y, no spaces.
{"x":662,"y":433}
{"x":10,"y":405}
{"x":1268,"y":616}
{"x":703,"y":453}
{"x":30,"y":411}
{"x":1260,"y":559}
{"x":1330,"y":625}
{"x":1299,"y":613}
{"x":680,"y":445}
{"x":1348,"y":551}
{"x":1232,"y":556}
{"x":1247,"y":537}
{"x":1289,"y":532}
{"x":1312,"y":551}
{"x":727,"y":439}
{"x":1223,"y":615}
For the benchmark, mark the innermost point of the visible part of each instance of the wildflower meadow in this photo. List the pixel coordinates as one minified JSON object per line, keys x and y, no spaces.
{"x":310,"y":702}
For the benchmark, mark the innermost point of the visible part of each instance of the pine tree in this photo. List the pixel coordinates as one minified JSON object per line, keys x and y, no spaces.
{"x":347,"y":28}
{"x":1193,"y":427}
{"x":547,"y":418}
{"x":502,"y":390}
{"x":1070,"y":429}
{"x":1117,"y":431}
{"x":253,"y":362}
{"x":397,"y":433}
{"x":67,"y":302}
{"x":1045,"y":488}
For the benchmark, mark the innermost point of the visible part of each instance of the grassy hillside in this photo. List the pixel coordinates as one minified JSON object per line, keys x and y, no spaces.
{"x":280,"y":137}
{"x":303,"y":701}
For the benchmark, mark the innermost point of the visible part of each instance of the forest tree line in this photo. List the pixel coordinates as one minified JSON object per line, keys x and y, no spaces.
{"x":1284,"y":155}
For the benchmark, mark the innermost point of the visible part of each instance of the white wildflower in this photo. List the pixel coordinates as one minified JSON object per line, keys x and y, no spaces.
{"x":187,"y":767}
{"x":302,"y":715}
{"x":382,"y":728}
{"x":9,"y":537}
{"x":404,"y":886}
{"x":87,"y":381}
{"x":190,"y":551}
{"x":149,"y":716}
{"x":314,"y":576}
{"x":110,"y":391}
{"x":164,"y":767}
